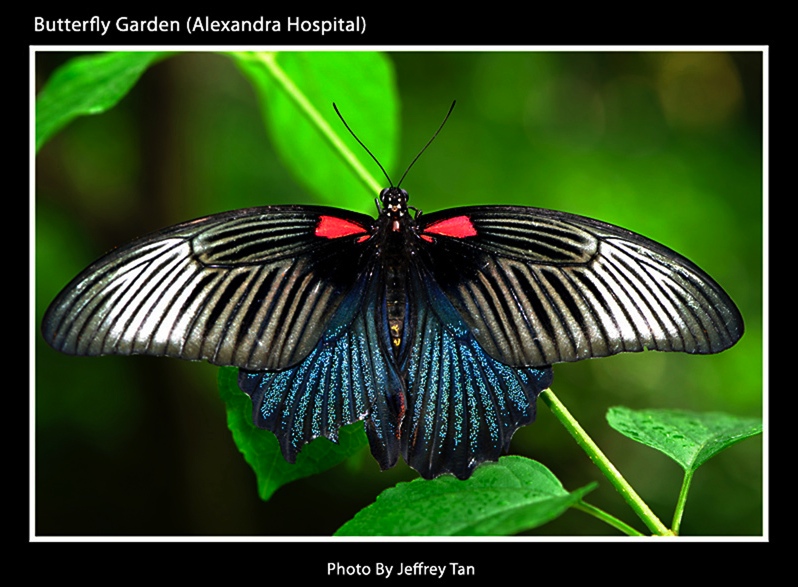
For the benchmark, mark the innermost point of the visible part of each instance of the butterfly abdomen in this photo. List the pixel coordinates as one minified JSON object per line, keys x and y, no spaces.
{"x":396,"y":296}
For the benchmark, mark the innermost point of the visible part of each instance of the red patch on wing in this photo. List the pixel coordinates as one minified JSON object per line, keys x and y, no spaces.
{"x":332,"y":227}
{"x":457,"y":227}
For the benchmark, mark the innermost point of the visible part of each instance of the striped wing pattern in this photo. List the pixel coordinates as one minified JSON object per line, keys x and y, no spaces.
{"x":538,"y":287}
{"x":349,"y":376}
{"x":463,"y":406}
{"x":252,"y":288}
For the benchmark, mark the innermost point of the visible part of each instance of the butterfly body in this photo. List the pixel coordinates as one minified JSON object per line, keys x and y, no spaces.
{"x":438,"y":331}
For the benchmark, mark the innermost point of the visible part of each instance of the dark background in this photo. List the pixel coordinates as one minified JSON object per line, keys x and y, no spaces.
{"x":668,"y":144}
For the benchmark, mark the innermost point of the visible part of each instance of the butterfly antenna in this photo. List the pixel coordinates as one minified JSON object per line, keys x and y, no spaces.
{"x":428,"y":142}
{"x":351,"y":132}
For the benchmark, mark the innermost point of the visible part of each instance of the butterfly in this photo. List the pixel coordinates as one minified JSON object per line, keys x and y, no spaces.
{"x":437,"y":330}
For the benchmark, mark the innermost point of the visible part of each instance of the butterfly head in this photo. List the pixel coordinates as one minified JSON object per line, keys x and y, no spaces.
{"x":394,"y":201}
{"x":394,"y":205}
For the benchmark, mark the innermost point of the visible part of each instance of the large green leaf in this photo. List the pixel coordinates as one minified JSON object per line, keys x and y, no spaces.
{"x":689,"y":438}
{"x":88,"y":85}
{"x":363,"y":87}
{"x":262,"y":451}
{"x":501,"y":498}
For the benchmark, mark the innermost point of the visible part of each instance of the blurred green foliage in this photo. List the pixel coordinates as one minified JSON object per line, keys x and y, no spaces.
{"x":668,"y":144}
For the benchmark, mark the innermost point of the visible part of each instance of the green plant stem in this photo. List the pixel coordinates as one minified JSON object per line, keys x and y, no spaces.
{"x":607,"y":518}
{"x":677,"y":514}
{"x":603,"y":463}
{"x":269,"y":62}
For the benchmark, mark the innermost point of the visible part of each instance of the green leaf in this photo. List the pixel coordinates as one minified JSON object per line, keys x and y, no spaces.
{"x":262,"y":451}
{"x":87,"y":85}
{"x":363,"y":86}
{"x":501,"y":498}
{"x":689,"y":438}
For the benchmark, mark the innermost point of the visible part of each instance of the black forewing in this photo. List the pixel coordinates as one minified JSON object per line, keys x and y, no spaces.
{"x":252,"y":288}
{"x":538,"y":287}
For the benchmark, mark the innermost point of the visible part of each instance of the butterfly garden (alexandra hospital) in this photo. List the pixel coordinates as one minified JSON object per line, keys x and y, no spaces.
{"x":436,"y":329}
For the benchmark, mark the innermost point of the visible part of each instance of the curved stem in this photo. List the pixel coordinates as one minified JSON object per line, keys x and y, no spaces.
{"x":605,"y":466}
{"x":607,"y":518}
{"x":269,"y":62}
{"x":677,"y":514}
